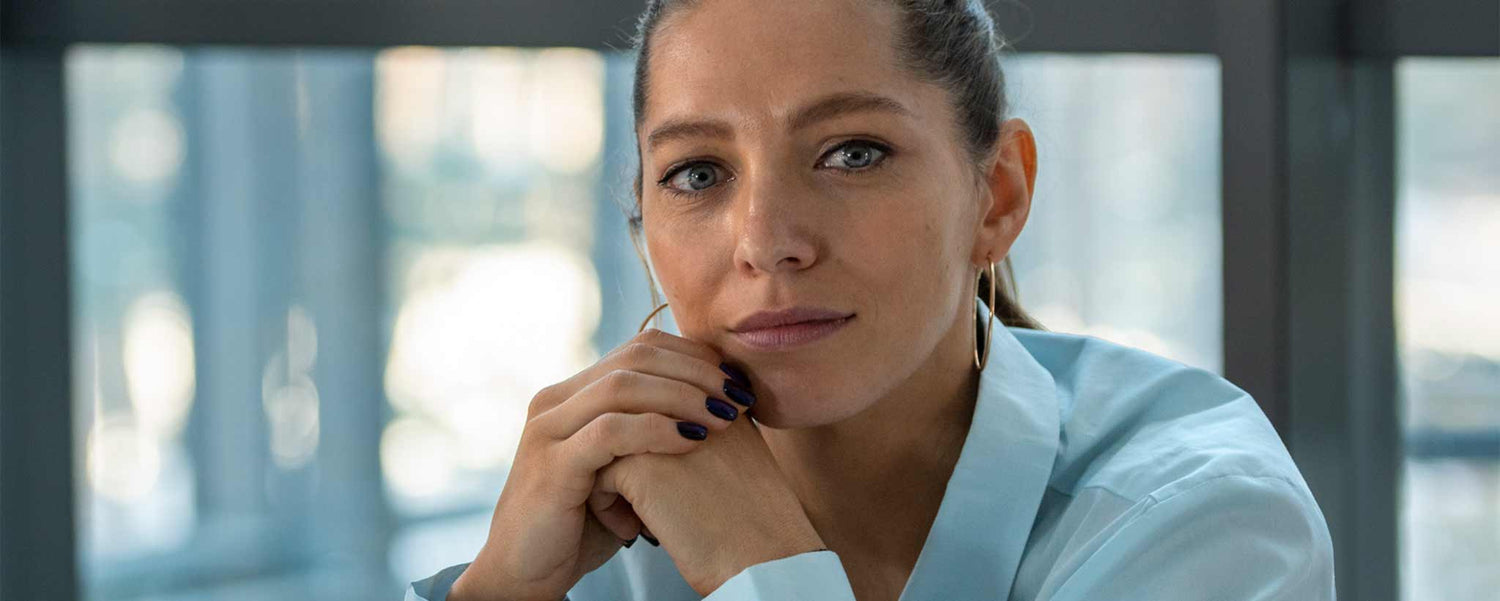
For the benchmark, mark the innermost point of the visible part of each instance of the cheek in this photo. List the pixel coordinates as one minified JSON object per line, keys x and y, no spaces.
{"x":905,"y":242}
{"x":688,"y":264}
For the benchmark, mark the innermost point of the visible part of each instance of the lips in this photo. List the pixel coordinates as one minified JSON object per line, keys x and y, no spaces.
{"x":785,"y":329}
{"x":785,"y":317}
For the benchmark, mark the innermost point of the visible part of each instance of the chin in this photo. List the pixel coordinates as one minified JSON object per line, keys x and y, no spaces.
{"x":795,"y":407}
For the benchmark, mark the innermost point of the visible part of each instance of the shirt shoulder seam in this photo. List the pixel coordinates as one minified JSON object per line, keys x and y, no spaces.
{"x":1212,"y":479}
{"x":1154,"y":496}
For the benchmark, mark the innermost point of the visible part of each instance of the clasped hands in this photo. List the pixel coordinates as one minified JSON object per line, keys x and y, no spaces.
{"x":634,"y":442}
{"x":717,"y":510}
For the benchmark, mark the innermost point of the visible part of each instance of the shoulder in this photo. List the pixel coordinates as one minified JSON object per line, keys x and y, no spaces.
{"x":1137,"y":425}
{"x":1166,"y":476}
{"x":1227,"y":537}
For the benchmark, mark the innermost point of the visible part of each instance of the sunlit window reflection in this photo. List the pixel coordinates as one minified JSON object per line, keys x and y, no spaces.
{"x":1448,"y":325}
{"x":494,"y":296}
{"x":289,"y":395}
{"x":135,"y":365}
{"x":480,"y":331}
{"x":159,"y":362}
{"x":1123,"y":239}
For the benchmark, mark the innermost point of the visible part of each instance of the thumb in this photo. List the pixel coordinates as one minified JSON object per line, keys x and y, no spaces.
{"x":615,"y":513}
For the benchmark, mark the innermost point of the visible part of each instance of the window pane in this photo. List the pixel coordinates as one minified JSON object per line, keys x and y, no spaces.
{"x":226,"y":351}
{"x":490,"y":158}
{"x":135,"y":345}
{"x":1123,"y":241}
{"x":316,"y":290}
{"x":504,"y":229}
{"x":1447,"y":292}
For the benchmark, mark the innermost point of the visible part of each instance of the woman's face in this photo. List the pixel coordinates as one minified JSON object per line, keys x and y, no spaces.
{"x":789,"y":161}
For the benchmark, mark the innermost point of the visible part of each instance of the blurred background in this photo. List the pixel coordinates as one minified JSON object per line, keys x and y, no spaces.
{"x":313,"y":283}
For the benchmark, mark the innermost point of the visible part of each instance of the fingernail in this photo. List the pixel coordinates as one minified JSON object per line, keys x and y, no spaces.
{"x":692,"y":431}
{"x":723,"y":410}
{"x":654,"y":542}
{"x":738,"y":394}
{"x":627,"y":544}
{"x":735,"y":374}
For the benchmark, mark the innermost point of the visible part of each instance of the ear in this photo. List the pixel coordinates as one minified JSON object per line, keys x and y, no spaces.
{"x":1008,"y":187}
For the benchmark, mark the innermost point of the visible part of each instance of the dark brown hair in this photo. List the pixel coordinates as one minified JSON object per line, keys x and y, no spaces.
{"x":951,"y":43}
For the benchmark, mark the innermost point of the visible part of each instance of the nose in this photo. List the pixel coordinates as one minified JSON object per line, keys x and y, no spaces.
{"x":774,"y":230}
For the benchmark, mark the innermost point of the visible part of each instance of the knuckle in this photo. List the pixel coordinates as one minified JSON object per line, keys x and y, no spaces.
{"x":528,"y":436}
{"x":650,"y":335}
{"x":617,"y":381}
{"x":611,"y":426}
{"x":637,"y":353}
{"x":543,"y":400}
{"x":600,"y":432}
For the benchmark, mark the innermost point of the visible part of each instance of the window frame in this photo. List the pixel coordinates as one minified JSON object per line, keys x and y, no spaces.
{"x":1308,"y":330}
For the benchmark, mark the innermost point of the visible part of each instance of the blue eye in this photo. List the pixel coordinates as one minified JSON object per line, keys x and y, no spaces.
{"x":855,"y":156}
{"x":694,"y":177}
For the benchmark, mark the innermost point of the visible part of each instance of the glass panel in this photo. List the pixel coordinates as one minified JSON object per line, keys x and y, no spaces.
{"x":315,"y":289}
{"x":490,"y":157}
{"x":219,"y":248}
{"x":1447,"y":292}
{"x":135,"y":344}
{"x":503,"y":230}
{"x":1123,"y":241}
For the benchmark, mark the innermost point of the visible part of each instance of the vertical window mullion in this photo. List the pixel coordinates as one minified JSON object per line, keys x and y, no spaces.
{"x":37,"y":462}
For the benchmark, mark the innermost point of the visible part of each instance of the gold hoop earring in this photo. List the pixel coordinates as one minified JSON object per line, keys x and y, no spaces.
{"x":648,"y":318}
{"x":979,"y":361}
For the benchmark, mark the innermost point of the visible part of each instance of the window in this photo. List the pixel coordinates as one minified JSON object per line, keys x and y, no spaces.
{"x":225,"y":335}
{"x":1448,"y":277}
{"x":510,"y":267}
{"x":1123,"y":241}
{"x":316,"y":289}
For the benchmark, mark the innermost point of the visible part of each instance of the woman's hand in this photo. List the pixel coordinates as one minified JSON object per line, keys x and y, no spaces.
{"x":545,"y":533}
{"x":718,"y":510}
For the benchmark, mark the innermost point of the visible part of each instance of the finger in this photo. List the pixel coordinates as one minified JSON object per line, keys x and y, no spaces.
{"x":625,"y":391}
{"x":599,"y":544}
{"x":685,"y":346}
{"x":615,"y":513}
{"x":613,"y":435}
{"x":610,"y":482}
{"x":672,"y":363}
{"x":654,"y":352}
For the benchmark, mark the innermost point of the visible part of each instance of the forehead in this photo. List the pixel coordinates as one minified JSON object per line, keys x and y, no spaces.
{"x":748,"y":59}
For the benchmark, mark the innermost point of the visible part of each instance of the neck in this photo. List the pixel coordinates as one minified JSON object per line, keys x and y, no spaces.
{"x":872,"y":484}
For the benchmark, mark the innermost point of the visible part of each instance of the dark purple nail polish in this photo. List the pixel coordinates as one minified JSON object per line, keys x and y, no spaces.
{"x":723,"y":410}
{"x":692,"y":431}
{"x":735,"y":374}
{"x":738,"y":394}
{"x":650,"y":539}
{"x":627,"y":544}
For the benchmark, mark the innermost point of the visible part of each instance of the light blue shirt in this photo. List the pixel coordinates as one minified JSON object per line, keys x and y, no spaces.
{"x":1091,"y":471}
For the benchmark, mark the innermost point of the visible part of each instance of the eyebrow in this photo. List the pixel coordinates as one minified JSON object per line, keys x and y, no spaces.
{"x":828,"y":107}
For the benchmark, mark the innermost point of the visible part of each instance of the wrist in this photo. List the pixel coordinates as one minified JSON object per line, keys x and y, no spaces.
{"x":479,"y":582}
{"x":463,"y":588}
{"x":791,"y":542}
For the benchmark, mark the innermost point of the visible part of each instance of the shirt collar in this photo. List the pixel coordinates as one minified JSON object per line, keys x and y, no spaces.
{"x":995,"y":492}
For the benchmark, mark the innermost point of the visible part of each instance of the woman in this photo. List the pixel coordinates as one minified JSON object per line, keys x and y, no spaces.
{"x":826,"y":178}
